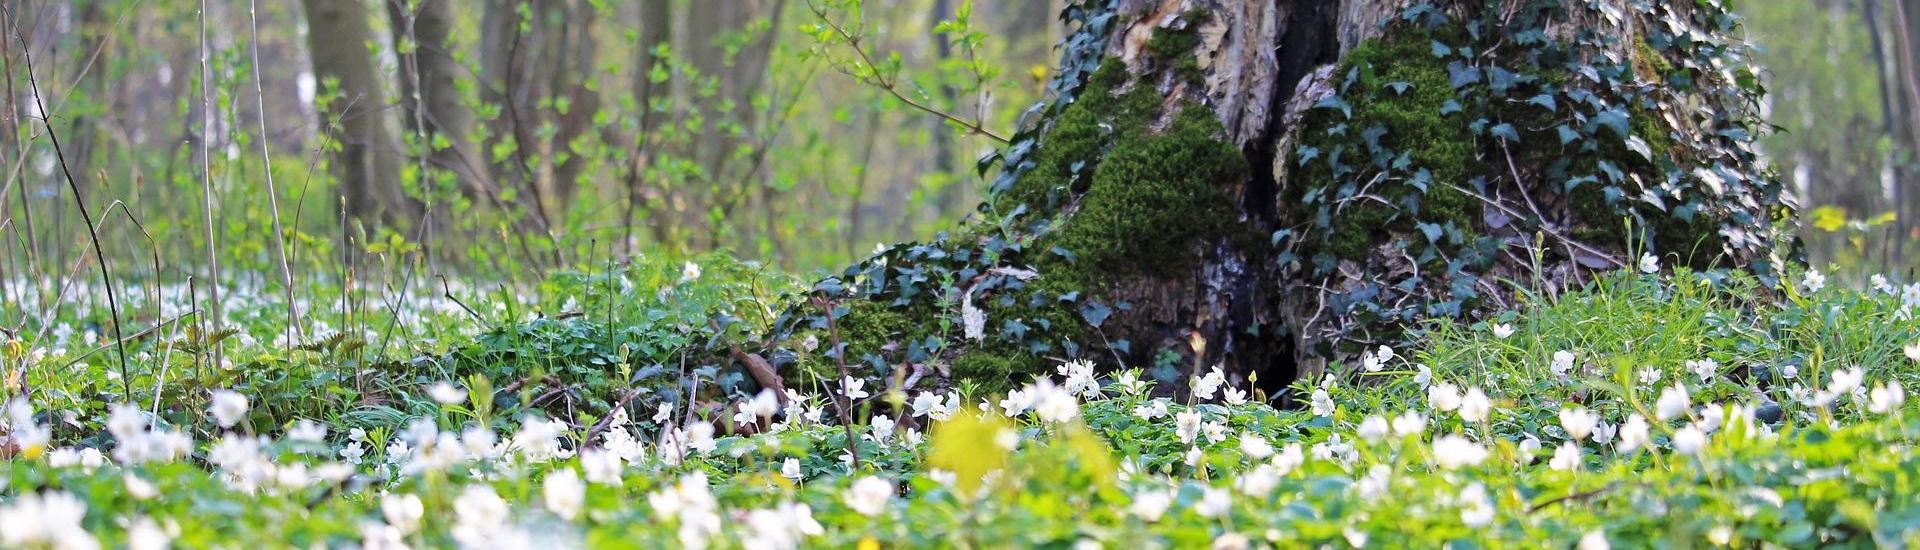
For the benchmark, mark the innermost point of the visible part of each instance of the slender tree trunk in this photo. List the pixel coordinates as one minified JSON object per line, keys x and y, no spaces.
{"x":366,"y":164}
{"x":1884,"y":71}
{"x":511,"y":84}
{"x":88,"y":134}
{"x":730,"y":120}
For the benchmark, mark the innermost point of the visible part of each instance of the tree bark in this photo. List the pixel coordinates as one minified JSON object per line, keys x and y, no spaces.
{"x":367,"y":157}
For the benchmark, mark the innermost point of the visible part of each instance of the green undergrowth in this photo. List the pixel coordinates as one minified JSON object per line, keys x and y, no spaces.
{"x":1752,"y":456}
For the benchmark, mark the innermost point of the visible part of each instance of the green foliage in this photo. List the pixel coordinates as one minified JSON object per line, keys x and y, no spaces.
{"x":1375,"y":459}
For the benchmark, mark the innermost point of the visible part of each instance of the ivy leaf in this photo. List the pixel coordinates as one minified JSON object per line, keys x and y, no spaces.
{"x":1567,"y":134}
{"x":1372,"y":136}
{"x":1441,"y":50}
{"x":1613,"y":172}
{"x":1334,"y":102}
{"x":1712,"y":180}
{"x":1095,"y":312}
{"x":1507,"y":132}
{"x":1421,"y":180}
{"x":1496,"y":219}
{"x":1015,"y":329}
{"x":1462,"y":74}
{"x":1308,"y":153}
{"x":1432,"y":230}
{"x":1614,"y":119}
{"x":1063,"y":253}
{"x":1500,"y":80}
{"x":1450,"y":107}
{"x":1650,"y":197}
{"x":1545,"y":100}
{"x":1400,"y":88}
{"x":1281,"y":235}
{"x":1637,"y":145}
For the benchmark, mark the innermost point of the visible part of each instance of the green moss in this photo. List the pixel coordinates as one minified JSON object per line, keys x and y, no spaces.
{"x":1155,"y":197}
{"x":1064,"y":162}
{"x":1400,"y":90}
{"x":1174,"y":47}
{"x":1648,"y":63}
{"x":870,"y":326}
{"x":994,"y":371}
{"x":1173,"y":43}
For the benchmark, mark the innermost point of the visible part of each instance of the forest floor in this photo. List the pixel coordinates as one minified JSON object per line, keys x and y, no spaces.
{"x":1669,"y":410}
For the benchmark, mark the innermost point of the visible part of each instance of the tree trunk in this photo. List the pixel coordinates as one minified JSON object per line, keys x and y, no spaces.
{"x":573,"y":59}
{"x":366,"y":159}
{"x":434,"y":107}
{"x":656,"y":24}
{"x":1907,"y":29}
{"x":730,"y":126}
{"x":89,"y":136}
{"x":1270,"y":185}
{"x":943,"y":139}
{"x":509,"y":85}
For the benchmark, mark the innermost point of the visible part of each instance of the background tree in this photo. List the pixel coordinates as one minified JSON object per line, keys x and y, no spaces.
{"x":366,"y":157}
{"x":430,"y":90}
{"x":1834,"y":80}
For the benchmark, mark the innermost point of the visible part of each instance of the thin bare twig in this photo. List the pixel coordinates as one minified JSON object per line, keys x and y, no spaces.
{"x":206,"y":178}
{"x":891,"y":86}
{"x":266,"y":164}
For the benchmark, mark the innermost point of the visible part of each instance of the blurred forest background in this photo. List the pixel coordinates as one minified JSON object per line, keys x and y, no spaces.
{"x":515,"y":135}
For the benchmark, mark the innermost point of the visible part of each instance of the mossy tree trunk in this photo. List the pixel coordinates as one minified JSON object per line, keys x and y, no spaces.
{"x":1270,"y":185}
{"x":1411,"y":160}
